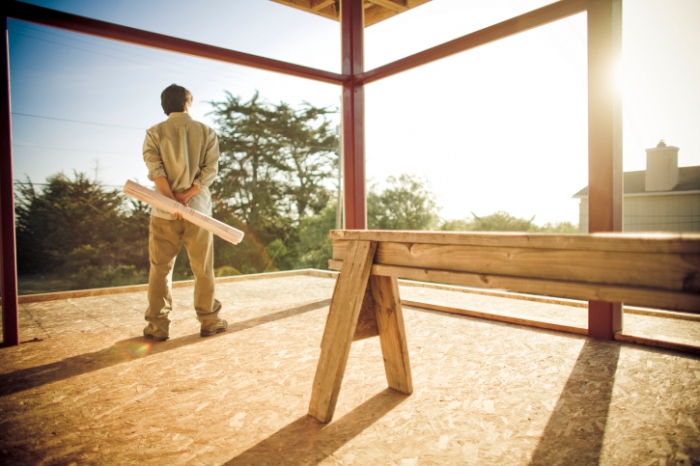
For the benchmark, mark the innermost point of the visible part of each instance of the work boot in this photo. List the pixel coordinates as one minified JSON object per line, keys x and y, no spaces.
{"x":220,"y":326}
{"x":153,"y":337}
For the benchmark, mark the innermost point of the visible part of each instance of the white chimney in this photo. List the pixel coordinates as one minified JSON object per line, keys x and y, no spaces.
{"x":662,"y":168}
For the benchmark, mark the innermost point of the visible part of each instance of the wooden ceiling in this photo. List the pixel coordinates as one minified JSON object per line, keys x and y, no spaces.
{"x":375,"y":10}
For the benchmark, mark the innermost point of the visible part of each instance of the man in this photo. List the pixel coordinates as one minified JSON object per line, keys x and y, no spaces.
{"x":182,"y":158}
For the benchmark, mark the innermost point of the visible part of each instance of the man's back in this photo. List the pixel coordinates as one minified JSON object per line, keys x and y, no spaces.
{"x":186,"y":152}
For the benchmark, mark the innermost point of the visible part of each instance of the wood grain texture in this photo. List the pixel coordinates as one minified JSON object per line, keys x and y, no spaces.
{"x":366,"y":322}
{"x":391,"y":5}
{"x":392,"y":334}
{"x":380,"y":11}
{"x":639,"y":340}
{"x":663,"y":271}
{"x":658,"y":299}
{"x":374,"y":12}
{"x":631,"y":242}
{"x":93,"y":391}
{"x":659,"y":270}
{"x":340,"y":329}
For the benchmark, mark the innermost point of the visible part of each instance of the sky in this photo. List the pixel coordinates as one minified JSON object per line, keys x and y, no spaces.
{"x":500,"y":127}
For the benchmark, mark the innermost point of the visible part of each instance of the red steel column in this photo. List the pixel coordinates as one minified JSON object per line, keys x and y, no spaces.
{"x":8,"y":266}
{"x":604,"y":143}
{"x":353,"y":137}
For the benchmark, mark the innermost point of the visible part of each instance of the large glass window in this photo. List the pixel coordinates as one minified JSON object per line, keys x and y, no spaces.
{"x":660,"y":81}
{"x":437,"y":22}
{"x":501,"y":129}
{"x":261,"y":28}
{"x":80,"y":109}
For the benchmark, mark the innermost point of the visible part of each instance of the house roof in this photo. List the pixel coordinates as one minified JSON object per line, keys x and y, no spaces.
{"x":375,"y":10}
{"x":688,"y":180}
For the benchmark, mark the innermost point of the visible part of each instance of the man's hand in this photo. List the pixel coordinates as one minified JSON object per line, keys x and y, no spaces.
{"x":163,"y":188}
{"x":182,"y":198}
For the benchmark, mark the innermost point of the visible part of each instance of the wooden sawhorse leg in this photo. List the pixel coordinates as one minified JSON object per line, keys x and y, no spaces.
{"x":392,"y":333}
{"x":381,"y":303}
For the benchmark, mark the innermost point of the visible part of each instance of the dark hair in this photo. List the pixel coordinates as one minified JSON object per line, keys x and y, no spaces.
{"x":174,"y":98}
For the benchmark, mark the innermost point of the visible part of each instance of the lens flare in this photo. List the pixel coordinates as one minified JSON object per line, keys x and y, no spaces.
{"x":135,"y":350}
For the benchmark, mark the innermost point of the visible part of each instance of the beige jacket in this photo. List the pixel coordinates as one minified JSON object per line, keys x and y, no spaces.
{"x":186,"y":152}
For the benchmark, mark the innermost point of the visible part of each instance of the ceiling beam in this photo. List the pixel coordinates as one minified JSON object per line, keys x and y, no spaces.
{"x":321,"y":5}
{"x":397,"y":7}
{"x":378,"y":12}
{"x":375,"y":10}
{"x":325,"y":8}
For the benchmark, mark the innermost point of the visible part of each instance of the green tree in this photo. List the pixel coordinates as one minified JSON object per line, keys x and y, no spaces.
{"x":562,"y":228}
{"x":64,"y":217}
{"x":77,"y":228}
{"x":277,"y":164}
{"x":457,"y":225}
{"x":314,"y":248}
{"x":310,"y":148}
{"x":249,"y":256}
{"x":502,"y":221}
{"x":251,"y":173}
{"x":406,"y":203}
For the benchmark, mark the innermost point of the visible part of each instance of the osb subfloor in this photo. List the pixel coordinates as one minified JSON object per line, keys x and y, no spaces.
{"x":92,"y":391}
{"x":637,"y":322}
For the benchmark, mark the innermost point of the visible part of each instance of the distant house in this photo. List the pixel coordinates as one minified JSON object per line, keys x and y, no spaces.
{"x":664,"y":197}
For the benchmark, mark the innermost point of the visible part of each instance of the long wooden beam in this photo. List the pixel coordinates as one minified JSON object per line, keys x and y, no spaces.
{"x":378,"y":11}
{"x":673,"y":272}
{"x":671,"y":243}
{"x":531,"y":20}
{"x":389,"y":4}
{"x":654,"y":298}
{"x":325,"y":8}
{"x":8,"y":260}
{"x":321,"y":5}
{"x":509,"y":319}
{"x":626,"y":337}
{"x":654,"y":270}
{"x":103,"y":29}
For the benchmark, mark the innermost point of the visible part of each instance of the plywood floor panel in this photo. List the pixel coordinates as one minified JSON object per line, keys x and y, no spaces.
{"x":663,"y":328}
{"x":93,"y":391}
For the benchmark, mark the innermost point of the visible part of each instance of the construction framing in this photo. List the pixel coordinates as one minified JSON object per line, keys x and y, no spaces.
{"x":605,"y":122}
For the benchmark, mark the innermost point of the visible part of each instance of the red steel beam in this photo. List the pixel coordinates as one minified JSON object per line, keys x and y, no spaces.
{"x":8,"y":266}
{"x":531,"y":20}
{"x":353,"y":140}
{"x":93,"y":27}
{"x":604,"y":143}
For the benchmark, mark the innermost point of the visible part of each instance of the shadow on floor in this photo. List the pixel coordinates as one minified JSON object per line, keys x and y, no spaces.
{"x":574,"y":433}
{"x":125,"y":351}
{"x":307,"y":441}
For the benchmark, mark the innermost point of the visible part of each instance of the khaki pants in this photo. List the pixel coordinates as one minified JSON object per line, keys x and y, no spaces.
{"x":164,"y":242}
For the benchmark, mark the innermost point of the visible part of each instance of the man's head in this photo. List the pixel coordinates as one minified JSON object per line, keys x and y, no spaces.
{"x":174,"y":99}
